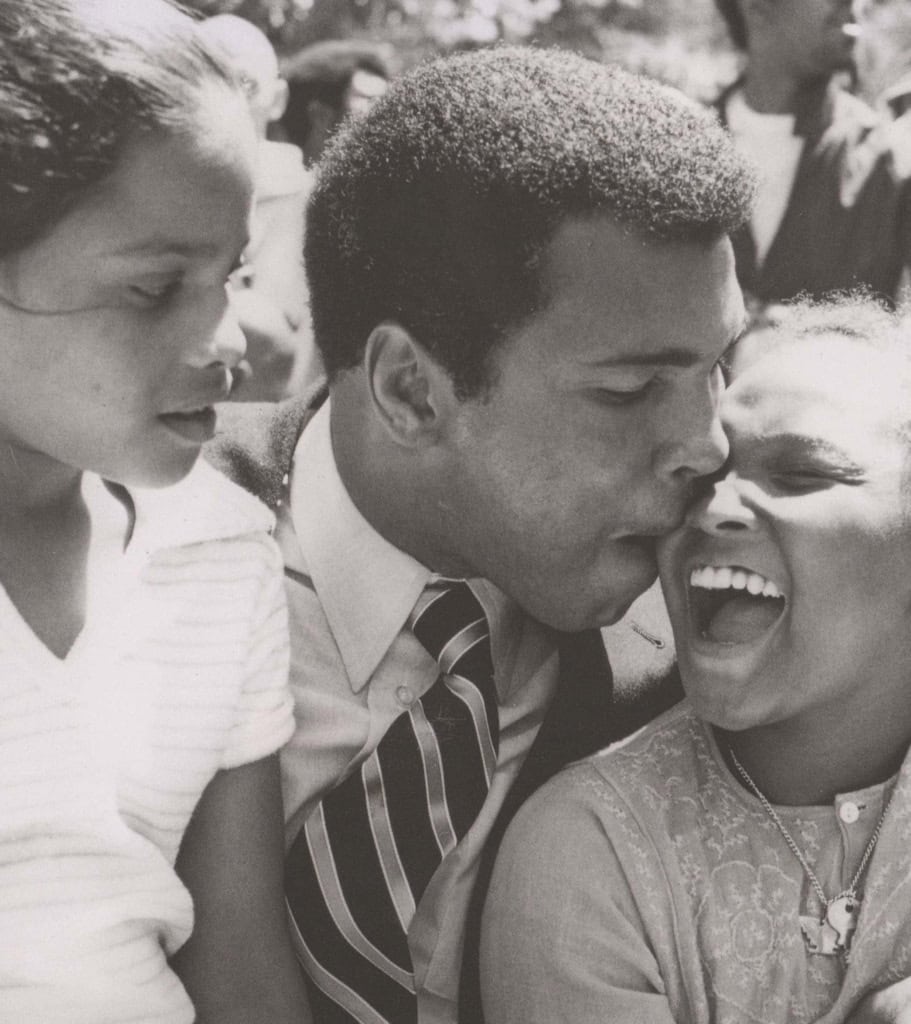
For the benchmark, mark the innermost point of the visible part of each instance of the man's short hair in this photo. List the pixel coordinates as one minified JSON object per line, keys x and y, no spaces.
{"x":434,"y":209}
{"x":323,"y":71}
{"x":735,"y":21}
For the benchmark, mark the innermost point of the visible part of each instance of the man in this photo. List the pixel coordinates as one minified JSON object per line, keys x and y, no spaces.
{"x":270,"y":291}
{"x":834,"y":208}
{"x":327,"y":82}
{"x":521,"y":283}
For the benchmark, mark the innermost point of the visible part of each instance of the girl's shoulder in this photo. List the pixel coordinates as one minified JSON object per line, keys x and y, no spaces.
{"x":203,"y":507}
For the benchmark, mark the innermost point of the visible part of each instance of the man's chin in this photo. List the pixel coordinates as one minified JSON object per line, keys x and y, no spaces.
{"x":607,"y":605}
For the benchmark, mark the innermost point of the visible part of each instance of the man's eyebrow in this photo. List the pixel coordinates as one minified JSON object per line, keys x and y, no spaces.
{"x":682,"y":357}
{"x":159,"y":246}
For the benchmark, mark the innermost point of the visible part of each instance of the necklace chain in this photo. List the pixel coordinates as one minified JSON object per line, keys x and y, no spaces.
{"x":851,"y":891}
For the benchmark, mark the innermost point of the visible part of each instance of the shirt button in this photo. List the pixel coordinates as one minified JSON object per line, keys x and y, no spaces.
{"x":404,"y":696}
{"x":849,"y":812}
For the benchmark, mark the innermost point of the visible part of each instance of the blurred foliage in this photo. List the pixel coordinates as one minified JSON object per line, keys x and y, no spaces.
{"x":680,"y":41}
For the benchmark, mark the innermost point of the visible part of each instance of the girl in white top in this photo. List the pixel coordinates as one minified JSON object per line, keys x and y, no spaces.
{"x":143,"y":649}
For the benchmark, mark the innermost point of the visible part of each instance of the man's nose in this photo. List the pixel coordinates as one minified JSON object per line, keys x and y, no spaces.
{"x":697,"y":445}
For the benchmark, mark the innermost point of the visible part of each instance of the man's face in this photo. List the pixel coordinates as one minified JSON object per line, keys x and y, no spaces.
{"x":603,"y":409}
{"x":816,"y":36}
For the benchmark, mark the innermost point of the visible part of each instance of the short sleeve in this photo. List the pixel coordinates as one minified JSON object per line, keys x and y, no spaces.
{"x":562,"y":937}
{"x":264,"y":719}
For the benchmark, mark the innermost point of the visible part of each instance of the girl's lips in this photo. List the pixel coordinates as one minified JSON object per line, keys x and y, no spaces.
{"x":197,"y":426}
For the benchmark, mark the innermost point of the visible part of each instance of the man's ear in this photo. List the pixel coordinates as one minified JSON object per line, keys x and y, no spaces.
{"x":411,"y":392}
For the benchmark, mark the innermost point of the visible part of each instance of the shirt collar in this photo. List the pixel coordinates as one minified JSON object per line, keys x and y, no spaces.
{"x":366,"y":586}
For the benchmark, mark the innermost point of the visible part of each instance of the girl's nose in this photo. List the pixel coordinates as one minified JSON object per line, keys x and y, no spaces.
{"x":722,"y":509}
{"x":220,"y":342}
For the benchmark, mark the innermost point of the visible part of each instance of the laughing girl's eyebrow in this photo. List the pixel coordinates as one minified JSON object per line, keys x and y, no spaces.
{"x":810,"y":445}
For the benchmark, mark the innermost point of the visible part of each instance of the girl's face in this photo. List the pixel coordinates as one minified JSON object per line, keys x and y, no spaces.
{"x":789,"y":586}
{"x":116,"y":334}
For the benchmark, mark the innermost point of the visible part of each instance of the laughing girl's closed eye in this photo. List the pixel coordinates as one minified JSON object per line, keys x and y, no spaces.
{"x":802,"y":478}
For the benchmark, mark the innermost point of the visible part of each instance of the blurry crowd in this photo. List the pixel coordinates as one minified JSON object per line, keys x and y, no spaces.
{"x":814,"y":100}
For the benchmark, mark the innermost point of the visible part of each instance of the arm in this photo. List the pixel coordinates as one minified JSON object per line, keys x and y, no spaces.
{"x":238,"y":966}
{"x":562,"y":938}
{"x":890,"y":1005}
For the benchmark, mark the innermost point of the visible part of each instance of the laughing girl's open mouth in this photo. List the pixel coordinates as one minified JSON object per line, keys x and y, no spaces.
{"x":730,"y":604}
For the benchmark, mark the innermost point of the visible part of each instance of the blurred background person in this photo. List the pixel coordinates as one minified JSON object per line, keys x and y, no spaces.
{"x":270,"y":293}
{"x":884,"y":55}
{"x":833,"y":206}
{"x":327,"y":82}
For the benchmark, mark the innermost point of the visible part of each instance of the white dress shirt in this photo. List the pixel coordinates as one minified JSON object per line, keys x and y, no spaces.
{"x":355,"y":668}
{"x":768,"y":140}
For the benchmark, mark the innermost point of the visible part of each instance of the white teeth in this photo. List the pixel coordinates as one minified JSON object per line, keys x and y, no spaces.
{"x":725,"y":577}
{"x":755,"y":583}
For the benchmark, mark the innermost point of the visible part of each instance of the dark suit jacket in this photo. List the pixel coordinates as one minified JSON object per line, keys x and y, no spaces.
{"x":848,"y":218}
{"x":254,"y":446}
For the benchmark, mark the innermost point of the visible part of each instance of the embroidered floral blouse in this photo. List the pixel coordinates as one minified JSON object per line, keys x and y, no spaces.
{"x":645,"y":885}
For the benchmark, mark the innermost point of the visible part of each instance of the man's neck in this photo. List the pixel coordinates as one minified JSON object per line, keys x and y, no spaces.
{"x":770,"y":89}
{"x":400,"y":498}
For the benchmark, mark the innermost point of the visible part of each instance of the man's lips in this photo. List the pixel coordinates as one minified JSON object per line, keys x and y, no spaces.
{"x":654,"y":531}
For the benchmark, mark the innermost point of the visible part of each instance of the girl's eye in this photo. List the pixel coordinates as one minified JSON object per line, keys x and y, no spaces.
{"x":798,"y":480}
{"x":623,"y":396}
{"x":156,"y":293}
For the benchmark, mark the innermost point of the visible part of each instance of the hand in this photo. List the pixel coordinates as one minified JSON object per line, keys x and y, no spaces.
{"x":890,"y":1005}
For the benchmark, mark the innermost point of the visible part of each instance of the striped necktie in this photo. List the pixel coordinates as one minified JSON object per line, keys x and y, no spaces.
{"x":356,"y":871}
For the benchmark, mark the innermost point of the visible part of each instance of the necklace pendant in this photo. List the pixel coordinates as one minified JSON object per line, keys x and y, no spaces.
{"x":841,"y":915}
{"x":832,"y":935}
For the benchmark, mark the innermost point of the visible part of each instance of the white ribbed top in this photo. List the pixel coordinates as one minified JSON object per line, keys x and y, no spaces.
{"x":179,"y":672}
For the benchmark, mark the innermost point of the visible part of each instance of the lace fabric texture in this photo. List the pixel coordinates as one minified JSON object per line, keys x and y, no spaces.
{"x":720,"y":893}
